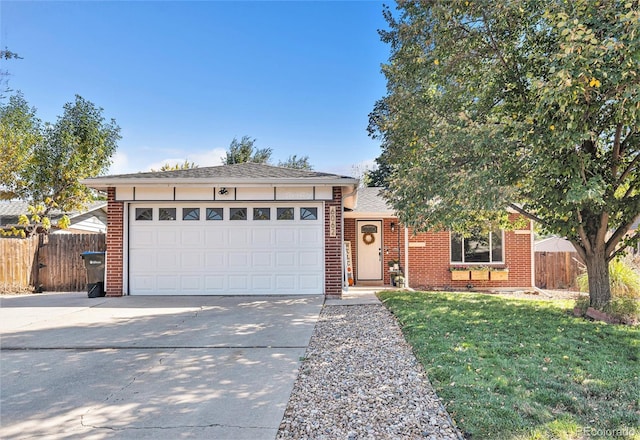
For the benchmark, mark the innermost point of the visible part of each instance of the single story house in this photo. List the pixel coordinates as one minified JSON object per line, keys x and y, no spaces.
{"x":92,"y":219}
{"x":258,"y":229}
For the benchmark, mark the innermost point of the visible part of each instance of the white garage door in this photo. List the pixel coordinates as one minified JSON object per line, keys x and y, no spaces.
{"x":226,"y":249}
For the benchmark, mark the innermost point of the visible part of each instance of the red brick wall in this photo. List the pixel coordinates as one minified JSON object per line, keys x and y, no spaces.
{"x":429,"y":257}
{"x":429,"y":264}
{"x":333,"y":247}
{"x":115,"y":230}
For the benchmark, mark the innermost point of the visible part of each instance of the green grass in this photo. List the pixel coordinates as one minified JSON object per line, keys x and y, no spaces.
{"x":522,"y":369}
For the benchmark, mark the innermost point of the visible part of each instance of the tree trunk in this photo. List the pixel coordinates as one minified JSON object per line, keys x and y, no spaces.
{"x":598,"y":272}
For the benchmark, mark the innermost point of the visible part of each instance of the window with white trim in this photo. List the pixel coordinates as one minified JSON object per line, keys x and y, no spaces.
{"x":479,"y":247}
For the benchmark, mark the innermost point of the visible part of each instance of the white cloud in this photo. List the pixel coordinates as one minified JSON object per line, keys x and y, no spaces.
{"x":119,"y":164}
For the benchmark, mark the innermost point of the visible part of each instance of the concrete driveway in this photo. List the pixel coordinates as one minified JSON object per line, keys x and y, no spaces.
{"x":149,"y":367}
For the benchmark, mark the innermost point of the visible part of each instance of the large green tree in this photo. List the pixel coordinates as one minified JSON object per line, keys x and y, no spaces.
{"x":43,"y":163}
{"x":527,"y":104}
{"x":244,"y":150}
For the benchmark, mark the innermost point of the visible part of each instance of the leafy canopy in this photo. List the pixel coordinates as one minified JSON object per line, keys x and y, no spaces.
{"x":298,"y":163}
{"x":244,"y":150}
{"x":43,"y":163}
{"x":528,"y":104}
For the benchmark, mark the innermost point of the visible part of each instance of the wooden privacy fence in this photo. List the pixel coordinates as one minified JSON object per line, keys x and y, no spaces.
{"x":557,"y":270}
{"x":46,"y":262}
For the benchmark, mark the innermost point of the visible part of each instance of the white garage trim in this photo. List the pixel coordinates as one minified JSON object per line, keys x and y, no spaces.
{"x":212,"y":256}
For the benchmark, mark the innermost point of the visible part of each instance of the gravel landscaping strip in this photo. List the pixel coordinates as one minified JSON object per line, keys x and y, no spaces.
{"x":360,"y":380}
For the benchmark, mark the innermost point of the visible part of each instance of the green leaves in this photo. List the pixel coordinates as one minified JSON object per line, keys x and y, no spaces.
{"x":44,"y":163}
{"x":516,"y":103}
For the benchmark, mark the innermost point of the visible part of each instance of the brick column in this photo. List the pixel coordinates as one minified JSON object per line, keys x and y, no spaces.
{"x":115,"y":234}
{"x":333,"y":247}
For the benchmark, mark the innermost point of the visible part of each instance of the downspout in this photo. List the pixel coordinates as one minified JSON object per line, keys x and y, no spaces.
{"x":533,"y":255}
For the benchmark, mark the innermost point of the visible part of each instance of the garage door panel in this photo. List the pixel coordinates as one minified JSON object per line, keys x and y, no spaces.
{"x":310,"y":236}
{"x":168,"y":283}
{"x":167,"y":261}
{"x":238,"y":282}
{"x":190,"y":238}
{"x":144,"y":284}
{"x":286,"y":283}
{"x":143,"y":238}
{"x":192,"y":261}
{"x":309,"y":281}
{"x":190,"y":284}
{"x":310,"y":259}
{"x":239,"y":237}
{"x":262,"y":237}
{"x":239,"y":260}
{"x":167,"y":237}
{"x":286,"y":259}
{"x":214,"y":236}
{"x":261,"y":283}
{"x":286,"y":236}
{"x":214,"y":284}
{"x":215,"y":259}
{"x":262,"y":260}
{"x":219,"y":256}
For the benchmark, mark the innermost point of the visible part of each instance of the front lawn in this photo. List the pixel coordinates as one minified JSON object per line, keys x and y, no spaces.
{"x":522,"y":369}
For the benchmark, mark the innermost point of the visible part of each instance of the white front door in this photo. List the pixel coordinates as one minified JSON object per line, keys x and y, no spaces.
{"x":369,"y":236}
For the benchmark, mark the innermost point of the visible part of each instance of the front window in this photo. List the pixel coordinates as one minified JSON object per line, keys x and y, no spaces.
{"x":479,"y":247}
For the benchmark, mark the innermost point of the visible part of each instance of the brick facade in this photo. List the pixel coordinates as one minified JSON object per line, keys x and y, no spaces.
{"x":115,"y":244}
{"x":429,"y":258}
{"x":333,"y":247}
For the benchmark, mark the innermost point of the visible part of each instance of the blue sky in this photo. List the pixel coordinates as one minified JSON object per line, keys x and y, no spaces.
{"x":182,"y":79}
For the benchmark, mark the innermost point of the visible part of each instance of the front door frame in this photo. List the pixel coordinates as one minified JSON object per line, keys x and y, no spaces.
{"x":373,"y":273}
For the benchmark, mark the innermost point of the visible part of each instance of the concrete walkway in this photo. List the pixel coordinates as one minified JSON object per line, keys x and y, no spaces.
{"x":149,"y":367}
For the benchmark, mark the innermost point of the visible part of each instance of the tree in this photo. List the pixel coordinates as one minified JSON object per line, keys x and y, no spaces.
{"x":51,"y":159}
{"x":20,"y":130}
{"x":6,"y":54}
{"x":295,"y":162}
{"x":245,"y":151}
{"x":525,"y":104}
{"x":186,"y":165}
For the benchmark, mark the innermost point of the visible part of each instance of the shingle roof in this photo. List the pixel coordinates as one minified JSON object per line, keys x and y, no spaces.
{"x":241,"y":171}
{"x":370,"y":200}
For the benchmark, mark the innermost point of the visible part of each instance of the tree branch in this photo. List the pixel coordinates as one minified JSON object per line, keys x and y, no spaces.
{"x":586,"y":244}
{"x":614,"y":240}
{"x":628,"y":170}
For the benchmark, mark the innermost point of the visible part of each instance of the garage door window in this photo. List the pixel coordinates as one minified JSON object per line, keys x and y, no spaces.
{"x":214,"y":214}
{"x":144,"y":214}
{"x":190,"y":213}
{"x":167,"y":214}
{"x":285,"y":213}
{"x":237,"y":213}
{"x":261,"y":213}
{"x":308,"y":213}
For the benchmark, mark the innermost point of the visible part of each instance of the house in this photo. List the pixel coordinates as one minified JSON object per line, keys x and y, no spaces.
{"x":93,"y":219}
{"x":258,"y":229}
{"x":426,"y":259}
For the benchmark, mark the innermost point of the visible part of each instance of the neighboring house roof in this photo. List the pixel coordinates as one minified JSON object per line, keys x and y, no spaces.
{"x":229,"y":175}
{"x":11,"y":210}
{"x":554,"y":244}
{"x":371,"y":202}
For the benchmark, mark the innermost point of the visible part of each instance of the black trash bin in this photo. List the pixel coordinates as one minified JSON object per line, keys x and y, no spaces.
{"x":94,"y":263}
